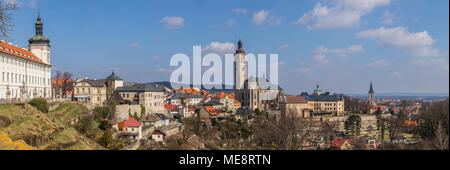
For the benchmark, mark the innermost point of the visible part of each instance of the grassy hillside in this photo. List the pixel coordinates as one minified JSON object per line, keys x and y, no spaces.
{"x":45,"y":131}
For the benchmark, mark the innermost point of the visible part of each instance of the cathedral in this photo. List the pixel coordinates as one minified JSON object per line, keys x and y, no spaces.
{"x":248,"y":91}
{"x":26,"y":73}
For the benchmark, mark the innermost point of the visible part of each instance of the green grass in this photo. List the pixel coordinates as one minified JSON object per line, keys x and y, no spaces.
{"x":51,"y":129}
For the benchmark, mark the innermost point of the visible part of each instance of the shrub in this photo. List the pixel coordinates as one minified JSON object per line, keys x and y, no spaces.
{"x":40,"y":104}
{"x":127,"y":102}
{"x":104,"y":125}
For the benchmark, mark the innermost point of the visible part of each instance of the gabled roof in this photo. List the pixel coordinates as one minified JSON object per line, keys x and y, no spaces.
{"x":223,"y":95}
{"x":131,"y":122}
{"x":333,"y":98}
{"x":170,"y":106}
{"x":149,"y":118}
{"x":337,"y":142}
{"x":293,"y":99}
{"x":211,"y":110}
{"x":161,"y":116}
{"x":149,"y":87}
{"x":159,"y":132}
{"x":95,"y":83}
{"x":18,"y":52}
{"x":186,"y":96}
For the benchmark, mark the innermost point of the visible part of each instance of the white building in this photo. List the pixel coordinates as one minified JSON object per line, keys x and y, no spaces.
{"x":26,"y":73}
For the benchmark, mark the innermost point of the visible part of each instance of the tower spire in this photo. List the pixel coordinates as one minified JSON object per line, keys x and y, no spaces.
{"x":371,"y":88}
{"x":39,"y":15}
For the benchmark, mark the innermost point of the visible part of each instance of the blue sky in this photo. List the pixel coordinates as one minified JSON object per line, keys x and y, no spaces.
{"x":400,"y":45}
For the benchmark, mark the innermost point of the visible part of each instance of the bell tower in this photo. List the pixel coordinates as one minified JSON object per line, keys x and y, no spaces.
{"x":39,"y":45}
{"x":240,"y":67}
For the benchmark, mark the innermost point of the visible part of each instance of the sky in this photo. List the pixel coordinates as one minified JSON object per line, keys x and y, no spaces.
{"x":342,"y":45}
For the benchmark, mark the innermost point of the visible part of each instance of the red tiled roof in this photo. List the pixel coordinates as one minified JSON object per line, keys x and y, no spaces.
{"x":337,"y":142}
{"x":60,"y":81}
{"x":222,"y":95}
{"x":237,"y":101}
{"x":204,"y":98}
{"x":211,"y":110}
{"x":19,"y":52}
{"x":170,"y":107}
{"x":131,"y":122}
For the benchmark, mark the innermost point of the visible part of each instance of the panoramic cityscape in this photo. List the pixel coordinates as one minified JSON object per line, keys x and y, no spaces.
{"x":324,"y":75}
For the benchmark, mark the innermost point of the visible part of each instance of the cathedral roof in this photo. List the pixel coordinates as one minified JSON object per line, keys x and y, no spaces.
{"x":18,"y":52}
{"x":263,"y":81}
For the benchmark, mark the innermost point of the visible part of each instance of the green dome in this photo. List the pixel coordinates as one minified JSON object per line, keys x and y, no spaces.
{"x":113,"y":77}
{"x":39,"y":39}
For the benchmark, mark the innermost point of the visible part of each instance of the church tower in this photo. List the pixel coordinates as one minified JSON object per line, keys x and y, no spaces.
{"x":371,"y":98}
{"x":39,"y":45}
{"x":240,"y":67}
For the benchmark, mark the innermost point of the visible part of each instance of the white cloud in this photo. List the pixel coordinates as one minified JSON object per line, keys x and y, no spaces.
{"x":219,"y":48}
{"x":283,"y":47}
{"x":343,"y":53}
{"x":32,"y":4}
{"x":230,"y":23}
{"x":344,"y":14}
{"x":414,"y":44}
{"x":380,"y":63}
{"x":240,"y":11}
{"x":395,"y":74}
{"x":134,"y":45}
{"x":387,"y":18}
{"x":263,"y":17}
{"x":431,"y":63}
{"x":173,"y":22}
{"x":320,"y":59}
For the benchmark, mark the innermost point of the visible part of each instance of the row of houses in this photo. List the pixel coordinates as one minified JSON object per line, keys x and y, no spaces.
{"x":132,"y":128}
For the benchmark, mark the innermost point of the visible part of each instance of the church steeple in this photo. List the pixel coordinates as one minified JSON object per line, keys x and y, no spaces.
{"x":371,"y":88}
{"x":39,"y":38}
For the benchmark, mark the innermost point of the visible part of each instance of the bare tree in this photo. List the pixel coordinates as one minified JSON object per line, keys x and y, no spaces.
{"x":67,"y":84}
{"x":56,"y":85}
{"x":441,"y":139}
{"x":6,"y":7}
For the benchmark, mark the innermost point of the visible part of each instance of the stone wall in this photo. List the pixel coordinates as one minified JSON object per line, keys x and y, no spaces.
{"x":122,"y":111}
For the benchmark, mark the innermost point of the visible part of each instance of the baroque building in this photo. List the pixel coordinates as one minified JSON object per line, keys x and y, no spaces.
{"x":324,"y":103}
{"x":249,"y":91}
{"x":96,"y":92}
{"x":26,"y":73}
